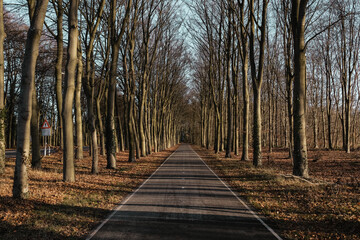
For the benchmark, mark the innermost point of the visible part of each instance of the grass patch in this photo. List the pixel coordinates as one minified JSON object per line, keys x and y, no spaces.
{"x":298,"y":209}
{"x":59,"y":210}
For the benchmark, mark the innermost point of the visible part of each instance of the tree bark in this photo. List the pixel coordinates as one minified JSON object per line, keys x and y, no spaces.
{"x":257,"y":78}
{"x":70,"y":75}
{"x":35,"y":136}
{"x":58,"y":68}
{"x":78,"y":113}
{"x":2,"y":105}
{"x":300,"y":167}
{"x":21,"y":187}
{"x":229,"y":102}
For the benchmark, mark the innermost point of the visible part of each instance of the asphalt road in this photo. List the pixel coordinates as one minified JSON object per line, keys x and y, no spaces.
{"x":183,"y":199}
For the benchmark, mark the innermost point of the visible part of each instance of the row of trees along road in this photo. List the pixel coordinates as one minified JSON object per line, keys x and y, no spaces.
{"x":126,"y":58}
{"x":293,"y":63}
{"x":285,"y":69}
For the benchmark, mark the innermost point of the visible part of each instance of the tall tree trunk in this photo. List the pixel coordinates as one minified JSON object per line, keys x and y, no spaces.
{"x":300,"y":167}
{"x":132,"y":143}
{"x":121,"y":131}
{"x":78,"y":112}
{"x":89,"y":88}
{"x":58,"y":67}
{"x":2,"y":105}
{"x":328,"y":72}
{"x":21,"y":187}
{"x":271,"y":113}
{"x":316,"y":128}
{"x":245,"y":130}
{"x":35,"y":137}
{"x":229,"y":103}
{"x":257,"y":78}
{"x":100,"y":124}
{"x":70,"y":75}
{"x":110,"y":120}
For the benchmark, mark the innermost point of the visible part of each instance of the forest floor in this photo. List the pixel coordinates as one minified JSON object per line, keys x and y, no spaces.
{"x":325,"y":207}
{"x":59,"y":210}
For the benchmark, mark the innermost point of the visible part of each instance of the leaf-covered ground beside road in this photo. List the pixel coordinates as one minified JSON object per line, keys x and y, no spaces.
{"x":59,"y":210}
{"x":298,"y":209}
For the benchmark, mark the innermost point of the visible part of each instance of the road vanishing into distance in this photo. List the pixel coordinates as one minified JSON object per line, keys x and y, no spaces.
{"x":183,"y":199}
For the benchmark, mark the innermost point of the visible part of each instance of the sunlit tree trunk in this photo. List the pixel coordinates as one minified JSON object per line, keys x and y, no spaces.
{"x":246,"y":98}
{"x":70,"y":75}
{"x":21,"y":187}
{"x":300,"y":167}
{"x":78,"y":112}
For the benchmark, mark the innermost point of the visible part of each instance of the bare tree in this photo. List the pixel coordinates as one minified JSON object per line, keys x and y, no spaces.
{"x":92,"y":18}
{"x":2,"y":105}
{"x":20,"y":187}
{"x":70,"y":75}
{"x":78,"y":112}
{"x":257,"y":75}
{"x":115,"y":43}
{"x":298,"y":13}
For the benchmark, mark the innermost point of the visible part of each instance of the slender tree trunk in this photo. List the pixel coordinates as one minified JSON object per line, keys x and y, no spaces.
{"x":132,"y":144}
{"x":21,"y":187}
{"x":101,"y":125}
{"x":70,"y":75}
{"x":271,"y":113}
{"x":154,"y":123}
{"x":257,"y":161}
{"x":58,"y":68}
{"x":78,"y":112}
{"x":35,"y":137}
{"x":257,"y":79}
{"x":121,"y":131}
{"x":245,"y":132}
{"x":300,"y":167}
{"x":110,"y":121}
{"x":316,"y":145}
{"x":2,"y":105}
{"x":229,"y":103}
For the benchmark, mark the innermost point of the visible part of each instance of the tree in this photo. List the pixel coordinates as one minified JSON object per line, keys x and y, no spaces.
{"x":59,"y":10}
{"x":228,"y":85}
{"x":347,"y":59}
{"x":257,"y":74}
{"x":20,"y":187}
{"x":78,"y":112}
{"x":242,"y":37}
{"x":298,"y":14}
{"x":34,"y":124}
{"x":92,"y":19}
{"x":115,"y":44}
{"x":2,"y":105}
{"x":70,"y":75}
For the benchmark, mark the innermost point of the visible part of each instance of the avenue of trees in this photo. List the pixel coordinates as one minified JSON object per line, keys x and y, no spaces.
{"x":277,"y":73}
{"x":106,"y":74}
{"x":114,"y":76}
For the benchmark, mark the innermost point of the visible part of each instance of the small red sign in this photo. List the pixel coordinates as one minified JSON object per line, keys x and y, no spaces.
{"x":45,"y":125}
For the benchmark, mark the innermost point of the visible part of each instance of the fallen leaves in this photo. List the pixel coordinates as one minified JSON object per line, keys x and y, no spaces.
{"x":59,"y":210}
{"x":300,"y":210}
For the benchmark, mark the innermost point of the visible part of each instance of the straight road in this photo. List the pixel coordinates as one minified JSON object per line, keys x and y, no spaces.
{"x":183,"y":199}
